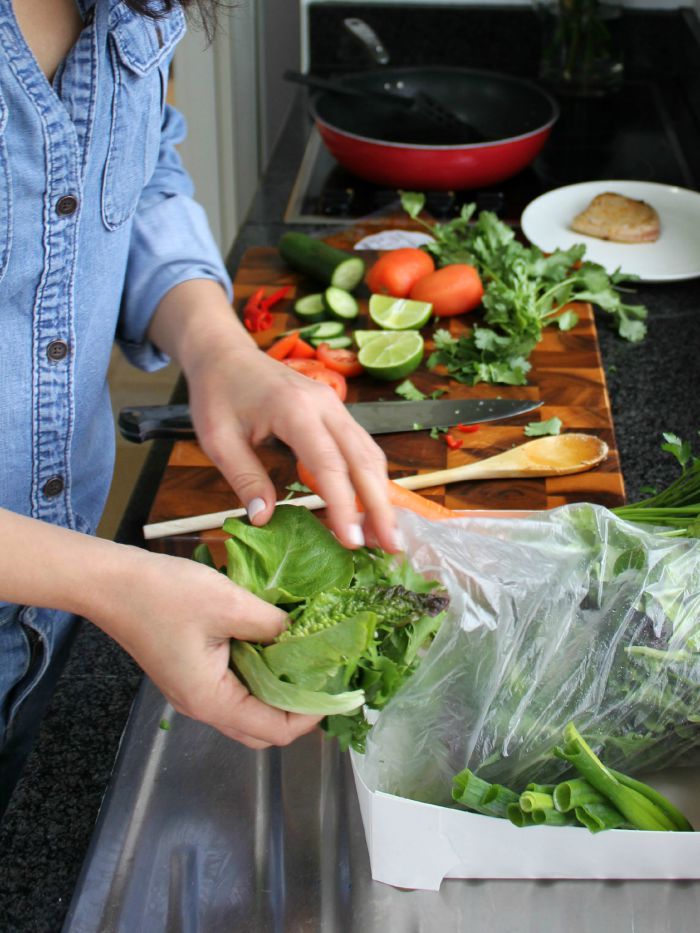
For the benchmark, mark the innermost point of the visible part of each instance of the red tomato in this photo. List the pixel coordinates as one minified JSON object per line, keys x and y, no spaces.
{"x":454,"y":289}
{"x":303,"y":366}
{"x":398,"y":270}
{"x":344,"y":362}
{"x":314,"y":369}
{"x":284,"y":346}
{"x":302,"y":351}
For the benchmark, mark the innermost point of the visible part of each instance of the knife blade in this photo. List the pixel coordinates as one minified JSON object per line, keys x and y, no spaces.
{"x":147,"y":422}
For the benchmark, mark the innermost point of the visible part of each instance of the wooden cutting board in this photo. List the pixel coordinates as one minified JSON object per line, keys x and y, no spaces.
{"x":566,"y":374}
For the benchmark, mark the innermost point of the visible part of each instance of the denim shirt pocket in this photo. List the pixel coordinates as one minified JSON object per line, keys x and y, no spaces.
{"x":5,"y":193}
{"x":140,"y":48}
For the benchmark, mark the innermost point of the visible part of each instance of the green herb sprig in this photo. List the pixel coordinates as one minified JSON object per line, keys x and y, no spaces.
{"x":677,"y":507}
{"x":525,"y":291}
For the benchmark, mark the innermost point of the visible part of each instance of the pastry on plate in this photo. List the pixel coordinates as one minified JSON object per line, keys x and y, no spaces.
{"x":615,"y":217}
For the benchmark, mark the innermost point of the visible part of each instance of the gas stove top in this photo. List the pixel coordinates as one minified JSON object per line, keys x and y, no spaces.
{"x":627,"y":136}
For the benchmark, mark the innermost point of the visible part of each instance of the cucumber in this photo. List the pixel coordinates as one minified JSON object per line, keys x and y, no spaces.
{"x":326,"y":330}
{"x":340,"y":304}
{"x":336,"y":343}
{"x":325,"y":263}
{"x":310,"y":308}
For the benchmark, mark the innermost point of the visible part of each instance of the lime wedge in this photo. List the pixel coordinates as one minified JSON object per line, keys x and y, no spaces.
{"x":399,"y":313}
{"x":392,"y":355}
{"x":362,"y":337}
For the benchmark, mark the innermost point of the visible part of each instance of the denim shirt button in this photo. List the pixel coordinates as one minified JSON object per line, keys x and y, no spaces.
{"x":53,"y":487}
{"x":57,"y":350}
{"x":66,"y":205}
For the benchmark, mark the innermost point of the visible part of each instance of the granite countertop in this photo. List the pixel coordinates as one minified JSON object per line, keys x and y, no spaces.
{"x":47,"y":828}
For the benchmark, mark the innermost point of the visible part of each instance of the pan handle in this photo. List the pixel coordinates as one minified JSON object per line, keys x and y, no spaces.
{"x":368,"y":38}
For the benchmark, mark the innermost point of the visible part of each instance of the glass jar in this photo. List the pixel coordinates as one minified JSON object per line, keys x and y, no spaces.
{"x":581,"y":48}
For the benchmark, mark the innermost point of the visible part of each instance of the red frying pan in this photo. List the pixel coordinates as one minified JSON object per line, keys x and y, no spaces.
{"x":389,"y":145}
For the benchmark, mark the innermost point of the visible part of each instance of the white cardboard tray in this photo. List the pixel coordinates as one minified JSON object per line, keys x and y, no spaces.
{"x":417,"y":845}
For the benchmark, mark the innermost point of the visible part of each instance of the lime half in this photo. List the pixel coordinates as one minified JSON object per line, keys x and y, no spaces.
{"x":392,"y":355}
{"x":362,"y":337}
{"x":399,"y":313}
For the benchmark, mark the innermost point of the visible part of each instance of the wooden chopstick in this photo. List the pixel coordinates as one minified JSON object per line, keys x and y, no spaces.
{"x":179,"y":526}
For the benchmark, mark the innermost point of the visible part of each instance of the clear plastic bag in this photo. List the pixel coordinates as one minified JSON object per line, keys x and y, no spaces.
{"x":567,"y":615}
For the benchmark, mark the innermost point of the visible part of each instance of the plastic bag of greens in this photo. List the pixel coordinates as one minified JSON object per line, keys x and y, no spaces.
{"x":572,"y":614}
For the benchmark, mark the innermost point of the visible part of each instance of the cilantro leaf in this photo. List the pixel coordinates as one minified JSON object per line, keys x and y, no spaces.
{"x":409,"y":391}
{"x":541,"y":428}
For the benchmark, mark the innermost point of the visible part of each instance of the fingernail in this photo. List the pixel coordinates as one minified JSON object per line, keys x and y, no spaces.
{"x":399,"y":540}
{"x":356,"y":535}
{"x":255,"y":507}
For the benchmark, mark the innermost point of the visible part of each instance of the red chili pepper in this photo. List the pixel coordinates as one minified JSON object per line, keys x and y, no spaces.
{"x":253,"y":304}
{"x":468,"y":428}
{"x":257,"y":321}
{"x":454,"y":443}
{"x":256,"y":317}
{"x":272,"y":299}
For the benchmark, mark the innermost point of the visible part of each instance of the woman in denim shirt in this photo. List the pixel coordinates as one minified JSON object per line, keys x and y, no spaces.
{"x":100,"y":238}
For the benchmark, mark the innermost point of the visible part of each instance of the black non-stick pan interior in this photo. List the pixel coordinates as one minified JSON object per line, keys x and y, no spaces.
{"x":499,"y":106}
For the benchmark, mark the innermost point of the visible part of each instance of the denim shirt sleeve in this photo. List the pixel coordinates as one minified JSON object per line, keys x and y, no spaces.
{"x":171,"y":242}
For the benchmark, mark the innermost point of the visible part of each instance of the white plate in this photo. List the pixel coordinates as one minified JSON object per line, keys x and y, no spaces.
{"x":674,"y":256}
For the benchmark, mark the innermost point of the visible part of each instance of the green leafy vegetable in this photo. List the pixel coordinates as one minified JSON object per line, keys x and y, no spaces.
{"x":541,"y":428}
{"x":358,"y":620}
{"x":524,"y":292}
{"x":409,"y":391}
{"x":279,"y":563}
{"x":296,"y":487}
{"x":437,"y":431}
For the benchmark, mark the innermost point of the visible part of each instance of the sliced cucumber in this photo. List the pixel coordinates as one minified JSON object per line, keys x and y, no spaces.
{"x":325,"y":263}
{"x":310,"y":308}
{"x":335,"y":343}
{"x":326,"y":330}
{"x":340,"y":304}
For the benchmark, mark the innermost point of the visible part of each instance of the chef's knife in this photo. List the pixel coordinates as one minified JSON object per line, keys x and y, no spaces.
{"x":146,"y":422}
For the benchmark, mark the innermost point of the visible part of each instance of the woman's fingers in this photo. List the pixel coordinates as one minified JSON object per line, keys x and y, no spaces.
{"x":233,"y":455}
{"x":368,"y":475}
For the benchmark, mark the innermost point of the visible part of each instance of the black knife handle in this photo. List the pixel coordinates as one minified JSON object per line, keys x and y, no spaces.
{"x":148,"y":422}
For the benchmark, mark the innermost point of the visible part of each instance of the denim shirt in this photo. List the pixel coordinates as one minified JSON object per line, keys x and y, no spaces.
{"x":97,"y":223}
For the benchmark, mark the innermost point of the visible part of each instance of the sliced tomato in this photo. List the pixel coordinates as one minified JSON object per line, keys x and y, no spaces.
{"x":302,"y":351}
{"x":333,"y":379}
{"x":283,"y":347}
{"x":314,"y":369}
{"x":344,"y":362}
{"x":303,"y":366}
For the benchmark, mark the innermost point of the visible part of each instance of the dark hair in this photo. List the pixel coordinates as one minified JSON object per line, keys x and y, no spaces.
{"x":205,"y":11}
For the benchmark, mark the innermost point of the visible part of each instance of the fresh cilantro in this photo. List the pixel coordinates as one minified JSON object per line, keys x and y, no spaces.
{"x":524,"y":292}
{"x":407,"y":390}
{"x":438,"y":393}
{"x":681,"y":450}
{"x":437,"y":431}
{"x":164,"y":725}
{"x":539,"y":428}
{"x":416,"y":426}
{"x":297,"y":487}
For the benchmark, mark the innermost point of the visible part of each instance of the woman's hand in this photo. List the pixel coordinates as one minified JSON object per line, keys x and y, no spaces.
{"x":238,"y":396}
{"x":176,"y":618}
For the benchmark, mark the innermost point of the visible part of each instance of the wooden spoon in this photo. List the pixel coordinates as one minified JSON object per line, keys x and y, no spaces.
{"x":543,"y":456}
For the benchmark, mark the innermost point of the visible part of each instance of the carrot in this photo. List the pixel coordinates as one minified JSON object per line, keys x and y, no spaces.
{"x":454,"y":289}
{"x":398,"y":496}
{"x":282,"y":348}
{"x":302,"y":351}
{"x":396,"y":271}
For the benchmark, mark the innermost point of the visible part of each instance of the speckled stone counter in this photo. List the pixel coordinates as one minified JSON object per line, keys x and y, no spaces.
{"x":43,"y":839}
